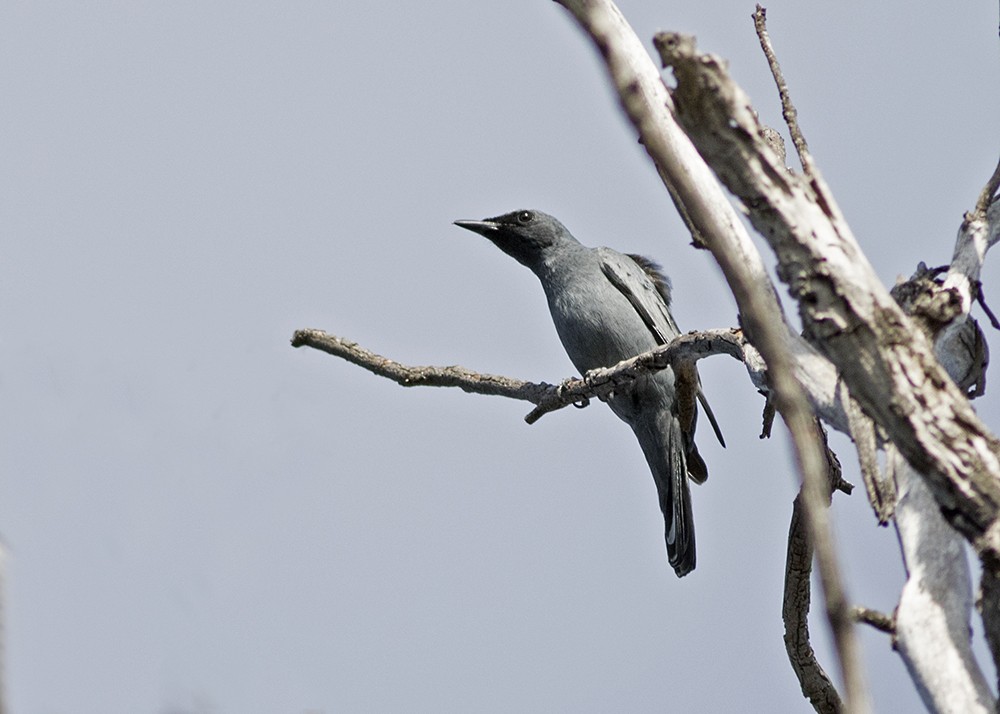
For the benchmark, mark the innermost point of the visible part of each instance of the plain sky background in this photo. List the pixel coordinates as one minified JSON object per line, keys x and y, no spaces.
{"x":201,"y":519}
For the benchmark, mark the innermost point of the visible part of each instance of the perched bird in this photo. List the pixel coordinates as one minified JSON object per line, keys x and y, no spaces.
{"x":607,"y":307}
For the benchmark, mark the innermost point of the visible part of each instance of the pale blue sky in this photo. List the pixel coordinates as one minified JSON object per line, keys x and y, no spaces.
{"x":202,"y":519}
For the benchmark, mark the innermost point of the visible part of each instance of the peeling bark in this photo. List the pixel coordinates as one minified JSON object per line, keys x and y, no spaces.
{"x":885,"y":359}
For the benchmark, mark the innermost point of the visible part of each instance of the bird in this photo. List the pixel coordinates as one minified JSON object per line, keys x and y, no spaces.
{"x":609,"y":306}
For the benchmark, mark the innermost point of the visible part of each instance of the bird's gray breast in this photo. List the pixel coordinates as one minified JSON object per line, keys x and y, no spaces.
{"x":595,"y":322}
{"x":599,"y":327}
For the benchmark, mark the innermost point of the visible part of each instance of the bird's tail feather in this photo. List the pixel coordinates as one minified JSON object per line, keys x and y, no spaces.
{"x":665,"y":449}
{"x":696,"y":468}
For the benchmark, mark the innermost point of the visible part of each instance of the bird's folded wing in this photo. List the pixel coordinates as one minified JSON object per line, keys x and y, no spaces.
{"x":647,"y":290}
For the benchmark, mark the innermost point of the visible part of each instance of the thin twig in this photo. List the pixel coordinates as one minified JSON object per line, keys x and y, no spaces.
{"x":767,"y":420}
{"x":981,"y":299}
{"x":410,"y":376}
{"x":874,"y":618}
{"x":986,"y":195}
{"x":788,"y":110}
{"x":597,"y":383}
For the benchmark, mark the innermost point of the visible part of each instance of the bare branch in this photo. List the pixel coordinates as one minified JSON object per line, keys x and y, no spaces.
{"x":887,"y":361}
{"x":816,"y":489}
{"x":988,"y":192}
{"x":933,"y":635}
{"x":645,"y":101}
{"x":788,"y":110}
{"x":981,"y":299}
{"x":767,"y":419}
{"x":935,"y":607}
{"x":702,"y":203}
{"x":961,"y":347}
{"x":980,"y":231}
{"x":880,"y":490}
{"x":888,"y":364}
{"x":879,"y":620}
{"x":688,"y":348}
{"x":815,"y":683}
{"x":685,"y":349}
{"x":408,"y":376}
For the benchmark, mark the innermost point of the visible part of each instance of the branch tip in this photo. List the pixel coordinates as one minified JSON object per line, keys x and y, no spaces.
{"x":788,"y":110}
{"x":873,"y":618}
{"x":988,"y":195}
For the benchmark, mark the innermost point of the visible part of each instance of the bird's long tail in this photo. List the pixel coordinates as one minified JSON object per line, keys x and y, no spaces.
{"x":665,"y":448}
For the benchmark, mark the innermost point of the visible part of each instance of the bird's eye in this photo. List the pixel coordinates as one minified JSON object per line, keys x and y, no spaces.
{"x":525,"y":217}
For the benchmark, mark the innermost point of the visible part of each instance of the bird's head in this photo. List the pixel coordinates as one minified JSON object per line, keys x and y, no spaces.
{"x":524,"y":235}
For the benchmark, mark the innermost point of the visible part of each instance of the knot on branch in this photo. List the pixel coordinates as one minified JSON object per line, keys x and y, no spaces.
{"x":936,"y":307}
{"x":675,"y":47}
{"x":924,"y":297}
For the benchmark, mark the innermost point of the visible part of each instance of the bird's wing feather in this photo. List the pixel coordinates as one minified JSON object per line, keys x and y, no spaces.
{"x":660,"y":280}
{"x":711,"y":418}
{"x":646,"y":289}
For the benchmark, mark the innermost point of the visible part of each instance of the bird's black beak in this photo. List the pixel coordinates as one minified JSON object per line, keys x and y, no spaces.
{"x":483,"y":228}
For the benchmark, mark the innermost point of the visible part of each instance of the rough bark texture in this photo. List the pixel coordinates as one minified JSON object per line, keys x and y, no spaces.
{"x":886,"y":361}
{"x":933,"y":617}
{"x":813,"y":679}
{"x":682,"y":352}
{"x":645,"y":101}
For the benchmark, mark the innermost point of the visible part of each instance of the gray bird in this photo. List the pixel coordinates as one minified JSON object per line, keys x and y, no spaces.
{"x":607,"y":307}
